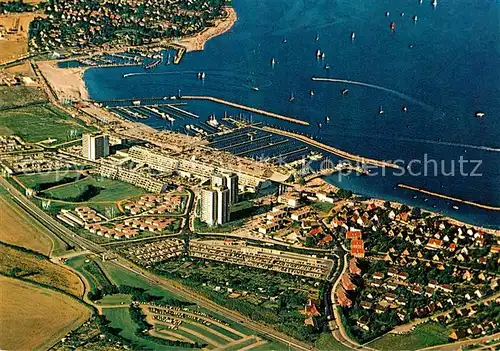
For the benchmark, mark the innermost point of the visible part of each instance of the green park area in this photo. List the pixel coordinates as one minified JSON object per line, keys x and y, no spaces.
{"x":424,"y":335}
{"x":114,"y":288}
{"x":93,"y":189}
{"x":40,"y":122}
{"x":20,"y":95}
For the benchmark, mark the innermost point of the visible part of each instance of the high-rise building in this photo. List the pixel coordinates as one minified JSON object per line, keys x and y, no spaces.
{"x":208,"y":206}
{"x":230,"y":181}
{"x":232,"y":184}
{"x":222,"y":205}
{"x":219,"y":180}
{"x":95,"y":146}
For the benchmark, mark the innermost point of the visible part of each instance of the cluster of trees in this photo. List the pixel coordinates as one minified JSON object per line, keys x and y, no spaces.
{"x":283,"y":315}
{"x":16,"y":6}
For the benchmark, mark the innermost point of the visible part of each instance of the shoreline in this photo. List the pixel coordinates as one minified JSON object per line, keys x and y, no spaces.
{"x":197,"y":42}
{"x":66,"y":82}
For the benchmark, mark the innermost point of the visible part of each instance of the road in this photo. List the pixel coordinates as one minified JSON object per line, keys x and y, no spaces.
{"x":84,"y":244}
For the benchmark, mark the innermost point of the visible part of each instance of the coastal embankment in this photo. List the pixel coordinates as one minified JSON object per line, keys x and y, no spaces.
{"x":246,"y":108}
{"x":197,"y":41}
{"x":329,"y":148}
{"x":451,"y":198}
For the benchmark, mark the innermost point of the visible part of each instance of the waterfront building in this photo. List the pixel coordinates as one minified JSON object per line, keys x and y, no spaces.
{"x":233,"y":184}
{"x":143,"y":181}
{"x":222,"y":205}
{"x":95,"y":146}
{"x":208,"y":205}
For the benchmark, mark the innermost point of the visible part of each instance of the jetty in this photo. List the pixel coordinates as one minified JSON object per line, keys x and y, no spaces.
{"x":179,"y":55}
{"x":246,"y":108}
{"x":451,"y":198}
{"x":328,"y":148}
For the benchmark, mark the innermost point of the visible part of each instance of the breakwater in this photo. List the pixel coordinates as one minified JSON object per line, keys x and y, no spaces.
{"x":247,"y":108}
{"x":329,"y":148}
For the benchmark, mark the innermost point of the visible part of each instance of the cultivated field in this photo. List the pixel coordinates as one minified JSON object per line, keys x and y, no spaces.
{"x":17,"y":229}
{"x":15,"y":42}
{"x":33,"y":318}
{"x":38,"y":269}
{"x":41,"y":122}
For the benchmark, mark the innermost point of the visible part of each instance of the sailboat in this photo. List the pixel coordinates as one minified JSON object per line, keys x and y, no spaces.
{"x":380,"y":110}
{"x":353,"y":36}
{"x":317,"y":37}
{"x":292,"y":98}
{"x":311,"y":92}
{"x":168,"y":59}
{"x":327,"y":119}
{"x":318,"y":53}
{"x":273,"y":62}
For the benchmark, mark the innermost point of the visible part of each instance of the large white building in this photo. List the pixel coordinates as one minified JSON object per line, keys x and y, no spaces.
{"x":208,"y":205}
{"x":229,"y":180}
{"x":95,"y":146}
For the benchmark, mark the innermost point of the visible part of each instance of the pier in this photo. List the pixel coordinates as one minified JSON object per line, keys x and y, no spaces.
{"x":179,"y":55}
{"x":330,"y":149}
{"x":246,"y":108}
{"x":451,"y":198}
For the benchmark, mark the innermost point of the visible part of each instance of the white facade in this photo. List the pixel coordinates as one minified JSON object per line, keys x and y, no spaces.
{"x":208,"y":206}
{"x":95,"y":146}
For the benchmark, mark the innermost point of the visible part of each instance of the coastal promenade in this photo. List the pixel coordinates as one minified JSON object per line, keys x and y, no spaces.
{"x":442,"y":196}
{"x":329,"y":148}
{"x":246,"y":108}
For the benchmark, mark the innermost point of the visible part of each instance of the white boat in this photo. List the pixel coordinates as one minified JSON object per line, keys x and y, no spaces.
{"x":317,"y":37}
{"x":353,"y":36}
{"x":404,"y":108}
{"x":323,"y":56}
{"x":292,"y":98}
{"x":380,"y":110}
{"x":480,"y":114}
{"x":273,"y":61}
{"x":202,"y":75}
{"x":311,"y":92}
{"x":387,"y":14}
{"x":255,"y":89}
{"x":402,"y":14}
{"x":415,"y":18}
{"x":212,"y":121}
{"x":455,"y":207}
{"x":318,"y":53}
{"x":327,"y":119}
{"x":434,"y":3}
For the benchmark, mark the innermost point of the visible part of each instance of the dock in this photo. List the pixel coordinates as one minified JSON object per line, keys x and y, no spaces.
{"x":246,"y":108}
{"x":329,"y":148}
{"x":179,"y":55}
{"x":451,"y":198}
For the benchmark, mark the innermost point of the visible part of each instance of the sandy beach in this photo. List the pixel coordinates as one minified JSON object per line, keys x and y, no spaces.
{"x":197,"y":41}
{"x":66,"y":82}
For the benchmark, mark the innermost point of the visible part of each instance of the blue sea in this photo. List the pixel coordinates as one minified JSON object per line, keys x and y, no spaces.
{"x":443,"y":67}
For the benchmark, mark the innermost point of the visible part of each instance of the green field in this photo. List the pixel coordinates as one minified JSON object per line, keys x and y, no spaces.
{"x":89,"y":270}
{"x":326,"y":342}
{"x":322,"y":206}
{"x":424,"y":335}
{"x":33,"y":180}
{"x":40,"y":122}
{"x":111,"y":190}
{"x":120,"y":318}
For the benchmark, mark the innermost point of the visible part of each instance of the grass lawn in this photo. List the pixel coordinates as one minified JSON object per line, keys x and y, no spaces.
{"x":90,"y":270}
{"x":424,"y":335}
{"x":116,"y":299}
{"x":32,"y":180}
{"x":120,"y":318}
{"x":37,"y":123}
{"x":326,"y":342}
{"x":322,"y":206}
{"x":112,"y":190}
{"x":121,"y":276}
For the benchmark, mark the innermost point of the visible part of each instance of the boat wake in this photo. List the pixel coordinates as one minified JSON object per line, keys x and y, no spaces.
{"x":378,"y":87}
